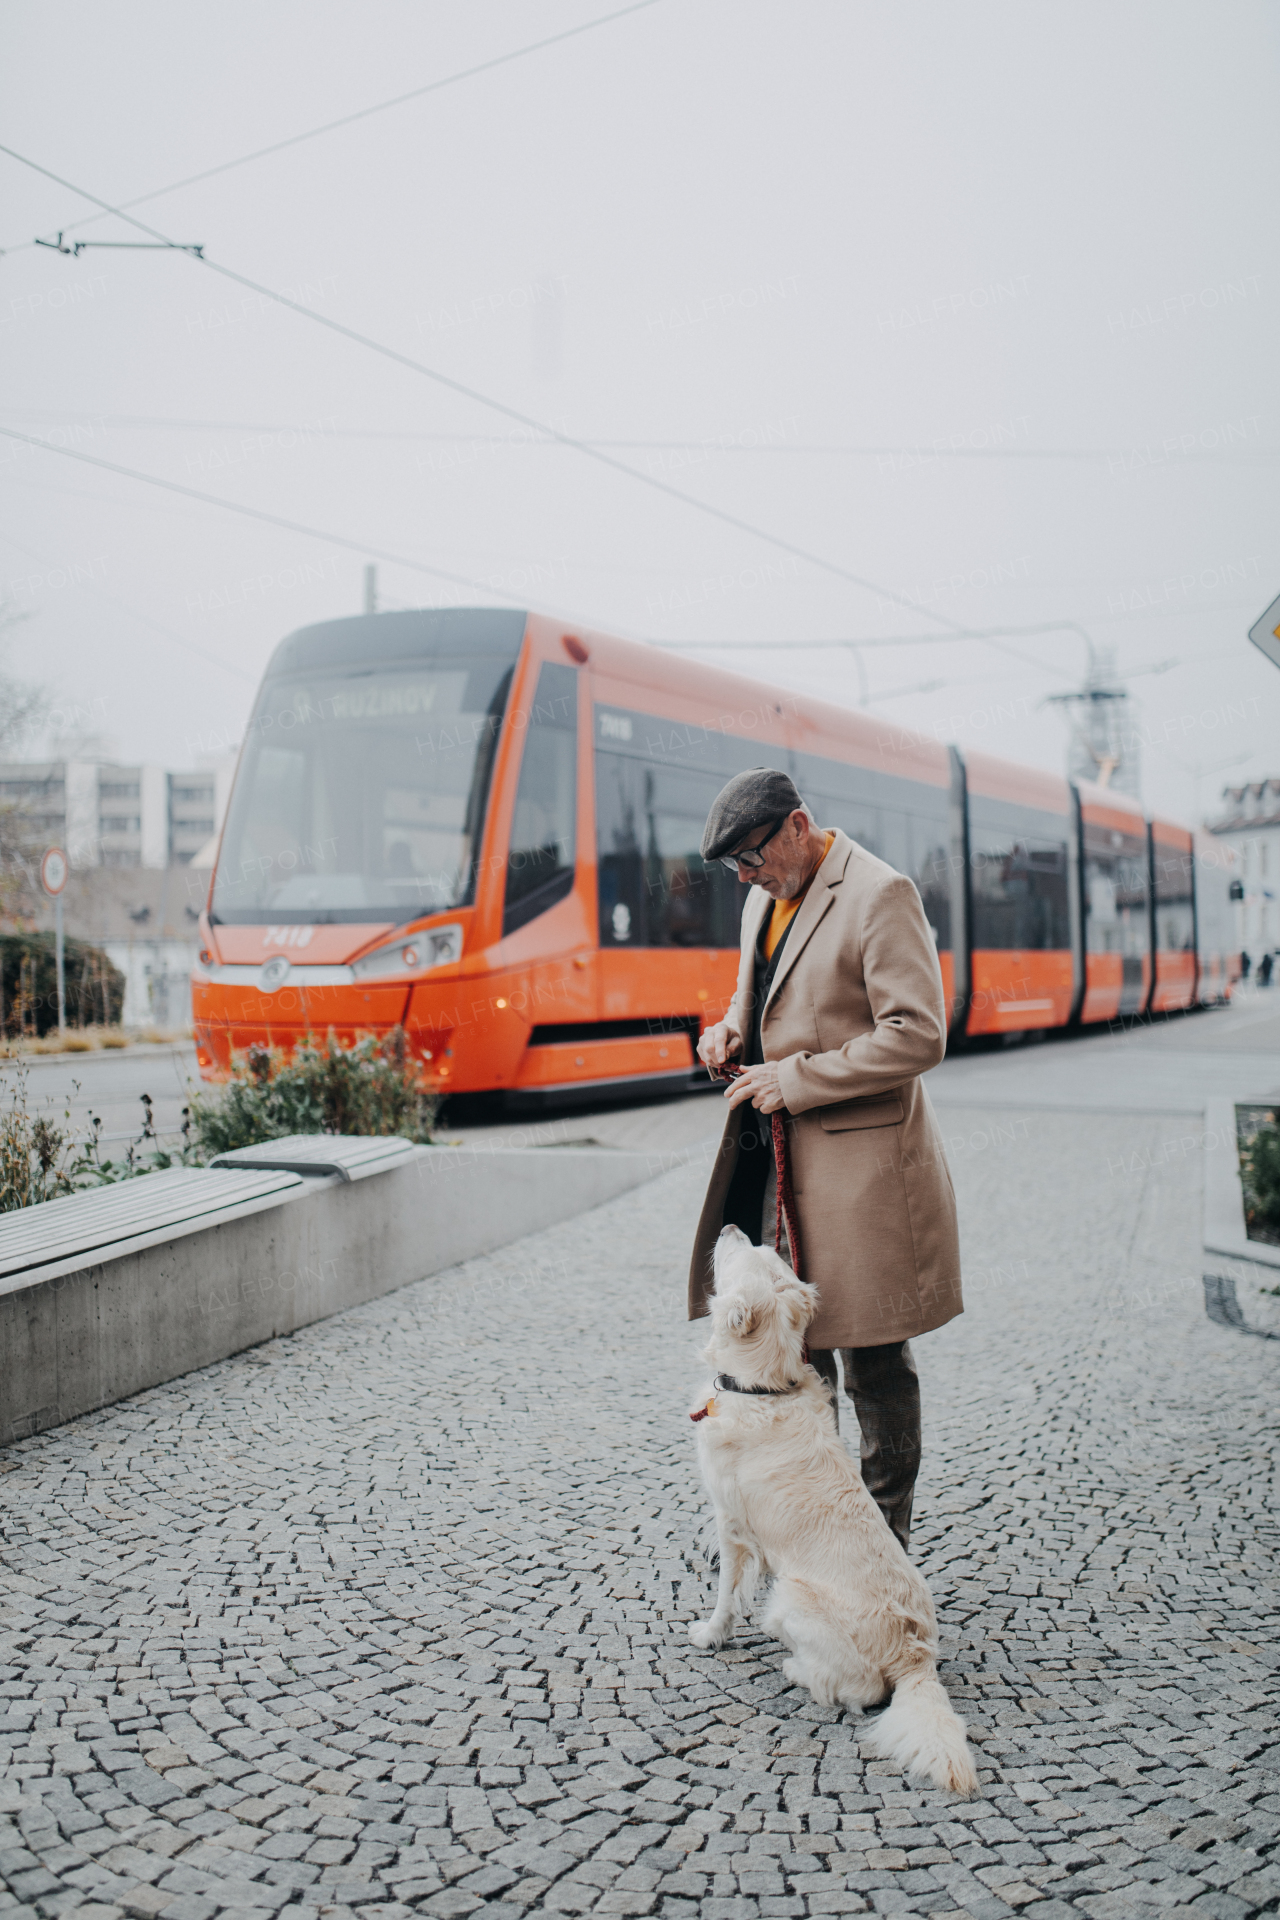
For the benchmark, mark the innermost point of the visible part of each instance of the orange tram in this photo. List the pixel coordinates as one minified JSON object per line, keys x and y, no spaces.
{"x":483,"y":827}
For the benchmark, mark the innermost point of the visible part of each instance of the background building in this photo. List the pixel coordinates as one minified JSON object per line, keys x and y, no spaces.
{"x":1250,"y":825}
{"x":197,"y":803}
{"x":145,"y":921}
{"x":105,"y":815}
{"x":141,"y":842}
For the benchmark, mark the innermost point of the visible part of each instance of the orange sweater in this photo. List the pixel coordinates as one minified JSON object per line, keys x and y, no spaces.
{"x":785,"y":911}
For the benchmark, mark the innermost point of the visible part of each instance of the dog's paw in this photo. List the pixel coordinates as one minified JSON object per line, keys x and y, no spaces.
{"x":703,"y":1634}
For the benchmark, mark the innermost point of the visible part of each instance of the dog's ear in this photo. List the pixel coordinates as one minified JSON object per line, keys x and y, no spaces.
{"x":799,"y":1304}
{"x":742,"y":1318}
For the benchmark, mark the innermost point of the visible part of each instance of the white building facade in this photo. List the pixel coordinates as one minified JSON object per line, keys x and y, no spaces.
{"x":1250,"y":826}
{"x":106,"y":815}
{"x":141,"y":843}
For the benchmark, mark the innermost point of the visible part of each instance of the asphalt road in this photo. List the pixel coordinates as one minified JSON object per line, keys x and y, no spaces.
{"x":1170,"y":1067}
{"x":72,"y":1087}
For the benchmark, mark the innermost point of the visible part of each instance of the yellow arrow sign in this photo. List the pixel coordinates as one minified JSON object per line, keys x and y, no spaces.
{"x":1265,"y":633}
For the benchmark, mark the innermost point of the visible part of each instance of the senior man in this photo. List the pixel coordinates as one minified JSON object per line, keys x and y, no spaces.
{"x":838,"y":1011}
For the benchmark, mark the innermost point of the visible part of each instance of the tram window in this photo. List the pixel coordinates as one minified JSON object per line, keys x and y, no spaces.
{"x":1175,"y":926}
{"x":544,"y":821}
{"x":357,"y":796}
{"x":654,"y":888}
{"x":932,"y":874}
{"x":914,"y":839}
{"x":1175,"y":911}
{"x":1018,"y":865}
{"x":655,"y":782}
{"x":282,"y":790}
{"x":1115,"y":891}
{"x":913,"y":844}
{"x":895,"y":839}
{"x":860,"y":822}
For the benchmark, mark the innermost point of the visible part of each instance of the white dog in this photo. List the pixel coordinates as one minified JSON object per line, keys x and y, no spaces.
{"x":790,"y":1502}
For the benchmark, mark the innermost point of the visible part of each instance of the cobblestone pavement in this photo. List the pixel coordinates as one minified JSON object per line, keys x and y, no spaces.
{"x":390,"y":1616}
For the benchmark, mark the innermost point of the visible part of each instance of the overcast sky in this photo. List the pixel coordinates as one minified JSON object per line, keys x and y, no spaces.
{"x":975,"y":305}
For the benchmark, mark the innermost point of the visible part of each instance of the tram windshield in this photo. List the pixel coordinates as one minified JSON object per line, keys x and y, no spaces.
{"x":361,"y":795}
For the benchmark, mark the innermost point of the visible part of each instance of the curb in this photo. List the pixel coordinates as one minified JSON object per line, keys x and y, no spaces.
{"x":1223,"y":1308}
{"x":136,"y":1050}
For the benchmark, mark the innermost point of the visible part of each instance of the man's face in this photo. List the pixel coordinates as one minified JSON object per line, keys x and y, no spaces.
{"x":786,"y":858}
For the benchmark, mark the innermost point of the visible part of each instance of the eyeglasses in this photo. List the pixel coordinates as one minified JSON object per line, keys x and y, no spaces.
{"x":752,"y":856}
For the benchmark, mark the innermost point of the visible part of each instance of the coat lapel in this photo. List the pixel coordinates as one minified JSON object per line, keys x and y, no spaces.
{"x":815,"y":904}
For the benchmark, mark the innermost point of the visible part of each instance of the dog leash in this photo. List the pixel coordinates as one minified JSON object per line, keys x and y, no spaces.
{"x":784,"y":1215}
{"x":785,"y":1208}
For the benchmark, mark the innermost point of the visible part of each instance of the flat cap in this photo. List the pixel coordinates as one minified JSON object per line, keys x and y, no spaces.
{"x":755,"y":798}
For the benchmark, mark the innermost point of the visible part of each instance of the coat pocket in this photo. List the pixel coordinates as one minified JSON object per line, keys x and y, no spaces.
{"x":880,"y":1110}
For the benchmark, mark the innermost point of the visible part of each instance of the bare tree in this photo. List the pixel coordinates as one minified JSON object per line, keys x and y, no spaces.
{"x":23,"y":707}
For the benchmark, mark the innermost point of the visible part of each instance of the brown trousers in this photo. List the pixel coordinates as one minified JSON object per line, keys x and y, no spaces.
{"x":885,"y":1390}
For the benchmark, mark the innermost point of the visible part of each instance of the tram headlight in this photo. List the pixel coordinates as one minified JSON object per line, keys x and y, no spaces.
{"x":434,"y":947}
{"x":443,"y":945}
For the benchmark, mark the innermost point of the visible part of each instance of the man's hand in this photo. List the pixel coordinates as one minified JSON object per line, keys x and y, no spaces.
{"x":719,"y":1044}
{"x":762,"y":1086}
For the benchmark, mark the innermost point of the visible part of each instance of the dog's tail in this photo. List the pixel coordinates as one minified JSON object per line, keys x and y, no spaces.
{"x":919,"y":1732}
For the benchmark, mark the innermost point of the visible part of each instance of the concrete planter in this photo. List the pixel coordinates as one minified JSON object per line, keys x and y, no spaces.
{"x":1239,"y":1288}
{"x":102,"y":1295}
{"x":1225,"y":1231}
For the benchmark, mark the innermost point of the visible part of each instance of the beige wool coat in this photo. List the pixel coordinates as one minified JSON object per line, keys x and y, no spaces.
{"x":855,"y":1015}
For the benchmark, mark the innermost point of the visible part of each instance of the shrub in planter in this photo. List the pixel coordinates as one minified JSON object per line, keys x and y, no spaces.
{"x":33,"y":1153}
{"x":42,"y":1160}
{"x":370,"y":1088}
{"x":29,"y":984}
{"x":1260,"y":1166}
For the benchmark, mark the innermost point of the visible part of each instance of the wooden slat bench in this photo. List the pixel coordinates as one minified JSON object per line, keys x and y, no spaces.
{"x":104,"y":1223}
{"x":349,"y":1156}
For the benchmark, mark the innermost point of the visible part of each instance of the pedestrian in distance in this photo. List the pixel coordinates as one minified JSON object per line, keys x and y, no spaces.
{"x":1264,"y":970}
{"x":838,"y":1011}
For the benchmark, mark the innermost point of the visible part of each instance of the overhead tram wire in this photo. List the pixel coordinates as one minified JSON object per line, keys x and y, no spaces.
{"x":499,"y":406}
{"x":131,"y":613}
{"x":710,"y":444}
{"x":995,"y":637}
{"x":362,"y":113}
{"x":991,"y":635}
{"x":257,"y":513}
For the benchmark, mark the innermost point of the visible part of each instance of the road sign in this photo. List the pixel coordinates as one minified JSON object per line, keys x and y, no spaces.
{"x":54,"y":869}
{"x":1265,"y":633}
